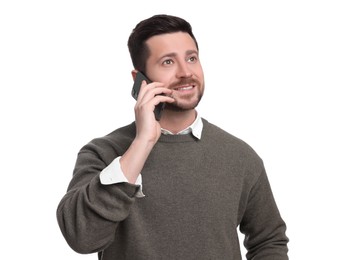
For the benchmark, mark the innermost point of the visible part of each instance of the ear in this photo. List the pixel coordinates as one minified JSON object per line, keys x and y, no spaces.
{"x":133,"y":73}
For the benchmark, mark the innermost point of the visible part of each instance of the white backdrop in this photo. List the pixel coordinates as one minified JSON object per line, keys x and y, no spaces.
{"x":279,"y":74}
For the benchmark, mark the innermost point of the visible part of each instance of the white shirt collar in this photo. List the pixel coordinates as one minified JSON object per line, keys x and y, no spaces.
{"x":195,"y":128}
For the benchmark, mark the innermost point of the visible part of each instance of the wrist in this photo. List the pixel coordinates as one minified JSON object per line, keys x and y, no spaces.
{"x":144,"y":144}
{"x":148,"y":139}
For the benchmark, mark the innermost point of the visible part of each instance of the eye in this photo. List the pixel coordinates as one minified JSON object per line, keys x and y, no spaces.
{"x":167,"y":62}
{"x":192,"y":59}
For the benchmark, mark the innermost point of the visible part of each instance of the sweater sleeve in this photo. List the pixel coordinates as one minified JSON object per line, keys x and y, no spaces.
{"x":89,"y":213}
{"x":262,"y":225}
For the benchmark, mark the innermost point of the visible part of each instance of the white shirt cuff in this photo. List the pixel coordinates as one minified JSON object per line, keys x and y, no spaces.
{"x":113,"y":174}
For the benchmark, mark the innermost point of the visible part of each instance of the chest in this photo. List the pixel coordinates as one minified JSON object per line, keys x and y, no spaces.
{"x":192,"y":179}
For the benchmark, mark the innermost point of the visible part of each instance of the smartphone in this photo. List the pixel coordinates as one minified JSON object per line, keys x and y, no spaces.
{"x":136,"y":89}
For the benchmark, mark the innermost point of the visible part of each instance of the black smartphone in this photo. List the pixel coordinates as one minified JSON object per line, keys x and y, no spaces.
{"x":136,"y":89}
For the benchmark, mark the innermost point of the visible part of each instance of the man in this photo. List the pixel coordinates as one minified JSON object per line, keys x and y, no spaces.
{"x":174,"y":188}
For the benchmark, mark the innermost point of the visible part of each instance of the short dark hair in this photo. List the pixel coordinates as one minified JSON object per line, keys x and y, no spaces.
{"x":155,"y":25}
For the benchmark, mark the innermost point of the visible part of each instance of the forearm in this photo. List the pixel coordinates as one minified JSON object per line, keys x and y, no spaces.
{"x":133,"y":160}
{"x":148,"y":130}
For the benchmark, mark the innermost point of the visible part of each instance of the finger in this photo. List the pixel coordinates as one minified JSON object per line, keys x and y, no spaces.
{"x":147,"y":87}
{"x":163,"y":99}
{"x":152,"y":92}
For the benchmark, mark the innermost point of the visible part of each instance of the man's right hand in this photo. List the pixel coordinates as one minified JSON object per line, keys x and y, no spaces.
{"x":147,"y":127}
{"x":148,"y":130}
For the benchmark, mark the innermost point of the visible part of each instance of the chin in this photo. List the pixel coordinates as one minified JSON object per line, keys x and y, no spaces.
{"x":182,"y":106}
{"x":177,"y":108}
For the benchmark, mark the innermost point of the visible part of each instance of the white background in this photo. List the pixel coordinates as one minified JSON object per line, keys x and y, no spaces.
{"x":280,"y":75}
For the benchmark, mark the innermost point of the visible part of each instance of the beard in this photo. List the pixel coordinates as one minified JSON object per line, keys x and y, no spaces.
{"x":184,"y":103}
{"x":180,"y":107}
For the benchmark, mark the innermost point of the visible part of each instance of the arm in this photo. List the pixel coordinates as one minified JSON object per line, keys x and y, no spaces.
{"x":148,"y":130}
{"x":88,"y":215}
{"x":262,"y":224}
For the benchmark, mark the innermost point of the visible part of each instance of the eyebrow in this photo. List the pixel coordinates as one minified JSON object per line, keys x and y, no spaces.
{"x":174,"y":54}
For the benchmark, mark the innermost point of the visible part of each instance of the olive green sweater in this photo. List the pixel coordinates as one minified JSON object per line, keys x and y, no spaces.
{"x":198,"y":192}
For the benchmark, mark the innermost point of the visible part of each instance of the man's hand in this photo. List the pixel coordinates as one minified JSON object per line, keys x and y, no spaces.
{"x":148,"y":130}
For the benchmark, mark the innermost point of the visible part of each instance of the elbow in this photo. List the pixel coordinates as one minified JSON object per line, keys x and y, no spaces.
{"x":81,"y":247}
{"x":273,"y":248}
{"x":268,"y":244}
{"x":75,"y":238}
{"x":80,"y":237}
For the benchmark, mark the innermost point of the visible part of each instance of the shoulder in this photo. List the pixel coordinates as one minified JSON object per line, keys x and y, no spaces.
{"x":231,"y":146}
{"x":214,"y":132}
{"x":113,"y":144}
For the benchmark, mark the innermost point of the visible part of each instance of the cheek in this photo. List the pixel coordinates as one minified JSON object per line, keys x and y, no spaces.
{"x":201,"y":78}
{"x":165,"y":77}
{"x":199,"y":73}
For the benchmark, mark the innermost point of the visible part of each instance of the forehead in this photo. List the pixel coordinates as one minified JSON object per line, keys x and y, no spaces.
{"x":170,"y":43}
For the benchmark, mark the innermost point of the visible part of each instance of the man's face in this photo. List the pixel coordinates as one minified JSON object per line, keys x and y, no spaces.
{"x":174,"y":61}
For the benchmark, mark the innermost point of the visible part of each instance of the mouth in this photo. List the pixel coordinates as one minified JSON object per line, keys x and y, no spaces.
{"x":184,"y":88}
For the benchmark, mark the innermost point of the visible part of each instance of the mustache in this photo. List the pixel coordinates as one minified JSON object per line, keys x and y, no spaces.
{"x":184,"y":82}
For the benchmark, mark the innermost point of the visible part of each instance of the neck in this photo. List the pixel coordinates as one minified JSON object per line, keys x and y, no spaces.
{"x":175,"y":121}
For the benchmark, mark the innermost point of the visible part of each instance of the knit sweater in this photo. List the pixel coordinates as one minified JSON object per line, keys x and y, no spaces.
{"x":197,"y":193}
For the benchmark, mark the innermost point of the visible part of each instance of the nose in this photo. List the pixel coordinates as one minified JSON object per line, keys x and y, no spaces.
{"x":183,"y":70}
